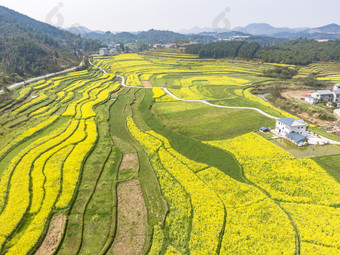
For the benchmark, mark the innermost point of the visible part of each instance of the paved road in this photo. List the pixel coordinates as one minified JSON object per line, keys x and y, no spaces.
{"x":13,"y":86}
{"x":201,"y":101}
{"x":188,"y":100}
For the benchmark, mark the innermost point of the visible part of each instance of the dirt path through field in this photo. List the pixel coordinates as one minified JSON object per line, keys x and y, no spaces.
{"x":146,"y":84}
{"x":54,"y":236}
{"x":132,"y":217}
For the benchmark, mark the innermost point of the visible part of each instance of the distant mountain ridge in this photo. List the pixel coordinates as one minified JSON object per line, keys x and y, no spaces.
{"x":266,"y":29}
{"x":331,"y":31}
{"x":328,"y":29}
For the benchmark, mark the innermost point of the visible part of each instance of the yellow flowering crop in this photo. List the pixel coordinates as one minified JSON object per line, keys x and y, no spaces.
{"x":133,"y":80}
{"x":283,"y":176}
{"x":157,"y":92}
{"x":187,"y":93}
{"x":39,"y":164}
{"x":255,"y":224}
{"x":311,"y":248}
{"x":23,"y":92}
{"x":317,"y":224}
{"x":39,"y":111}
{"x":34,"y":101}
{"x":157,"y":241}
{"x":171,"y":251}
{"x":47,"y":113}
{"x":208,"y":209}
{"x":18,"y":198}
{"x":73,"y":164}
{"x":87,"y":109}
{"x":69,"y":96}
{"x":28,"y":133}
{"x":32,"y":234}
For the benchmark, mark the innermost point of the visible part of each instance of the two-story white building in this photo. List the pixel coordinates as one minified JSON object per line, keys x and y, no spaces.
{"x":289,"y":125}
{"x":336,"y":96}
{"x":294,"y":130}
{"x":323,"y":95}
{"x":104,"y":51}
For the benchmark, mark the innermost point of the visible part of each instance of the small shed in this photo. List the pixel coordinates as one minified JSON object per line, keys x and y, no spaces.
{"x":311,"y":100}
{"x":329,"y":104}
{"x":300,"y":140}
{"x":264,"y":129}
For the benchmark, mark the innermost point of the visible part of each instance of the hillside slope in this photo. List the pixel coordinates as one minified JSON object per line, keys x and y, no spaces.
{"x":31,"y":48}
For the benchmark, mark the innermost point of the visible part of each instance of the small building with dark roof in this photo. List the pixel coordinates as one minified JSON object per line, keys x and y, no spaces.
{"x":264,"y":129}
{"x":300,"y":140}
{"x":311,"y":100}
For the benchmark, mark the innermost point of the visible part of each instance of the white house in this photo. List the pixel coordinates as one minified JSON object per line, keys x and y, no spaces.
{"x":291,"y":126}
{"x":323,"y":95}
{"x":104,"y":52}
{"x":336,"y":95}
{"x":113,"y":52}
{"x":311,"y":100}
{"x":336,"y":86}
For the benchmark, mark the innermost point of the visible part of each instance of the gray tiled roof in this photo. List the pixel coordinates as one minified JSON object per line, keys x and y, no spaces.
{"x":296,"y":137}
{"x":290,"y":121}
{"x":324,"y":92}
{"x":287,"y":121}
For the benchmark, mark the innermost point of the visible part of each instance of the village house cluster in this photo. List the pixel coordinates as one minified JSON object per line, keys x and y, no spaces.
{"x":111,"y":50}
{"x":326,"y":96}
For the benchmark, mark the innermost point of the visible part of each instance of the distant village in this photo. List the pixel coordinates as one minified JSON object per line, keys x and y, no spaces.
{"x":330,"y":97}
{"x":113,"y":50}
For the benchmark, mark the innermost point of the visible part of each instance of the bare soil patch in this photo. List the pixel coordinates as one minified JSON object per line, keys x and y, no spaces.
{"x":129,"y":161}
{"x":146,"y":84}
{"x":117,"y":92}
{"x":54,"y":236}
{"x":296,"y":94}
{"x":132,"y":220}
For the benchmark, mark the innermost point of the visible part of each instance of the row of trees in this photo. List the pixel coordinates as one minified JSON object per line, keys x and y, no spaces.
{"x":296,"y":52}
{"x":224,"y":49}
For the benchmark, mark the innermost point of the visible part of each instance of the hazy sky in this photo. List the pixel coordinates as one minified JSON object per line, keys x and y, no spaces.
{"x":136,"y":15}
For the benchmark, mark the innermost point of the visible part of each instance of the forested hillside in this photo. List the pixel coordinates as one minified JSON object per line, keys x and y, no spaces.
{"x":146,"y":37}
{"x":297,"y":52}
{"x":30,"y":48}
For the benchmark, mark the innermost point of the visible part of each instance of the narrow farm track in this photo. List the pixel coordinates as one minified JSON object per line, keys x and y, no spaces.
{"x":190,"y":100}
{"x":206,"y":102}
{"x":200,"y":100}
{"x":13,"y":86}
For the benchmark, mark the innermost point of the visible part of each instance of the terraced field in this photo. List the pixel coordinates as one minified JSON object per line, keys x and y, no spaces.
{"x":88,"y":166}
